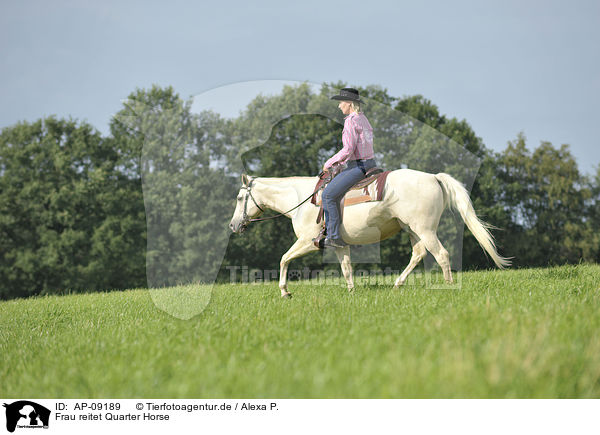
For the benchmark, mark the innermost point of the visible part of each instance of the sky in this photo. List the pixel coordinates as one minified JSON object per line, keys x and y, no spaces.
{"x":503,"y":66}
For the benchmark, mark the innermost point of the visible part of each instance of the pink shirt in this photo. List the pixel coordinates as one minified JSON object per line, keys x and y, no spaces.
{"x":357,"y":139}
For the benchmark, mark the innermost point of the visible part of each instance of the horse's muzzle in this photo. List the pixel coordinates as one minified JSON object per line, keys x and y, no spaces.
{"x":239,"y":228}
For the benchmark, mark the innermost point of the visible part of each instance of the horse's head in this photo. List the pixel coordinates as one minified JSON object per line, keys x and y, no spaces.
{"x":246,"y":206}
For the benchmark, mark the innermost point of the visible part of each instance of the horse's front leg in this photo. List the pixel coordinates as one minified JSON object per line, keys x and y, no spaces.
{"x":343,"y":255}
{"x":298,"y":249}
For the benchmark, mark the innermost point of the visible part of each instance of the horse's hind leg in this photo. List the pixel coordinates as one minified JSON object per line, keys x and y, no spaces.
{"x":418,"y":253}
{"x":433,"y":245}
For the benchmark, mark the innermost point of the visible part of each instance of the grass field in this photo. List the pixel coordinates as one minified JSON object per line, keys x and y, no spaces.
{"x":504,"y":334}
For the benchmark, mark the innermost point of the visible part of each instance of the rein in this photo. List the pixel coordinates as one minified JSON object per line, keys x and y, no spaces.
{"x":249,"y":194}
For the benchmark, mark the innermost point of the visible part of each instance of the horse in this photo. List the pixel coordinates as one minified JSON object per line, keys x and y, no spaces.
{"x":412,"y":201}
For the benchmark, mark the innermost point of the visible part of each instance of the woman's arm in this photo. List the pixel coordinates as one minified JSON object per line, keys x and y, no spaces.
{"x":349,"y":140}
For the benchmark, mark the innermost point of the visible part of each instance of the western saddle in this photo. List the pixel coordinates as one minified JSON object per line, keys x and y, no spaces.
{"x":368,"y":189}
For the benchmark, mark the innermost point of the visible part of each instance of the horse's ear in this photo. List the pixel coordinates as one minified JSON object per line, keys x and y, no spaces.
{"x":244,"y":180}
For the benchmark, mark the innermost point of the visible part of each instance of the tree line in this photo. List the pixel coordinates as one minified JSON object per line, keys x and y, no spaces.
{"x":149,"y":203}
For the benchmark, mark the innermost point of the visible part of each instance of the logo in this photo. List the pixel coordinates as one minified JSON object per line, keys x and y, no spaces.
{"x":26,"y":414}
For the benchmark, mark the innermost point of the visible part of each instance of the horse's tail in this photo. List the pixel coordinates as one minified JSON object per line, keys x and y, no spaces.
{"x":457,"y":197}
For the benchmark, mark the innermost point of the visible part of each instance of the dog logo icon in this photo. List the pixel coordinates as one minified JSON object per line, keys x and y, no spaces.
{"x":26,"y":414}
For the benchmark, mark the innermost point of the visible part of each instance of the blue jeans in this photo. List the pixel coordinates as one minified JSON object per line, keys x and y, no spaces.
{"x":337,"y":188}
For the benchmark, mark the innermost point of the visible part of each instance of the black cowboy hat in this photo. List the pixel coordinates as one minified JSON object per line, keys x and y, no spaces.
{"x":348,"y":94}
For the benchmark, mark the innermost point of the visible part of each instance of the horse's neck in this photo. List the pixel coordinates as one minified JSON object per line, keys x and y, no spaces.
{"x":283,"y":194}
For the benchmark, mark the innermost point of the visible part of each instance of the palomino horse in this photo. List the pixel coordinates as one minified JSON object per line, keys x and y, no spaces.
{"x":412,"y":200}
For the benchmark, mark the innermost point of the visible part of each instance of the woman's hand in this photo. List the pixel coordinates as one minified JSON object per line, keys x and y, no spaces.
{"x":325,"y":169}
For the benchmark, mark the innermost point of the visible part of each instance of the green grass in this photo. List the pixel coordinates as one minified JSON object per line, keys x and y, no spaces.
{"x":502,"y":334}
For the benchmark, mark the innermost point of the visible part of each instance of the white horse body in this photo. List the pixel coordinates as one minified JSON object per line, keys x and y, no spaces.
{"x":412,"y":200}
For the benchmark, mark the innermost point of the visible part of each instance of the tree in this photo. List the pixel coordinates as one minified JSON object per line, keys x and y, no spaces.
{"x":546,"y":197}
{"x":593,"y":215}
{"x":186,"y":200}
{"x":65,"y":209}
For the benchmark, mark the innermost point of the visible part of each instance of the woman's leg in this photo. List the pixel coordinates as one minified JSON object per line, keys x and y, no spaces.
{"x":332,"y":195}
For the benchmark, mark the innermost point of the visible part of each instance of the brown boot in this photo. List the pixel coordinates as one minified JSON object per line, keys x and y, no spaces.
{"x":318,"y":241}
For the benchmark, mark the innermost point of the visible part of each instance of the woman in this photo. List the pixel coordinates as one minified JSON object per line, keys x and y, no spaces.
{"x":357,"y":153}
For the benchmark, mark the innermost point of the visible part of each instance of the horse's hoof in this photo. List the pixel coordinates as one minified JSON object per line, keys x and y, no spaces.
{"x":286,"y":295}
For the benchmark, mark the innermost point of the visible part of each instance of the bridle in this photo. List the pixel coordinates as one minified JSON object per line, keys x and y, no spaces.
{"x":246,"y":219}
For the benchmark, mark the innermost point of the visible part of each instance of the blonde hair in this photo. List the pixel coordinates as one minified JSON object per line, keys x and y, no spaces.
{"x":355,"y":106}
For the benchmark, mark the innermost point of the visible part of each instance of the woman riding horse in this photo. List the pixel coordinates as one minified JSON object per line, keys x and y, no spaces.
{"x":357,"y":153}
